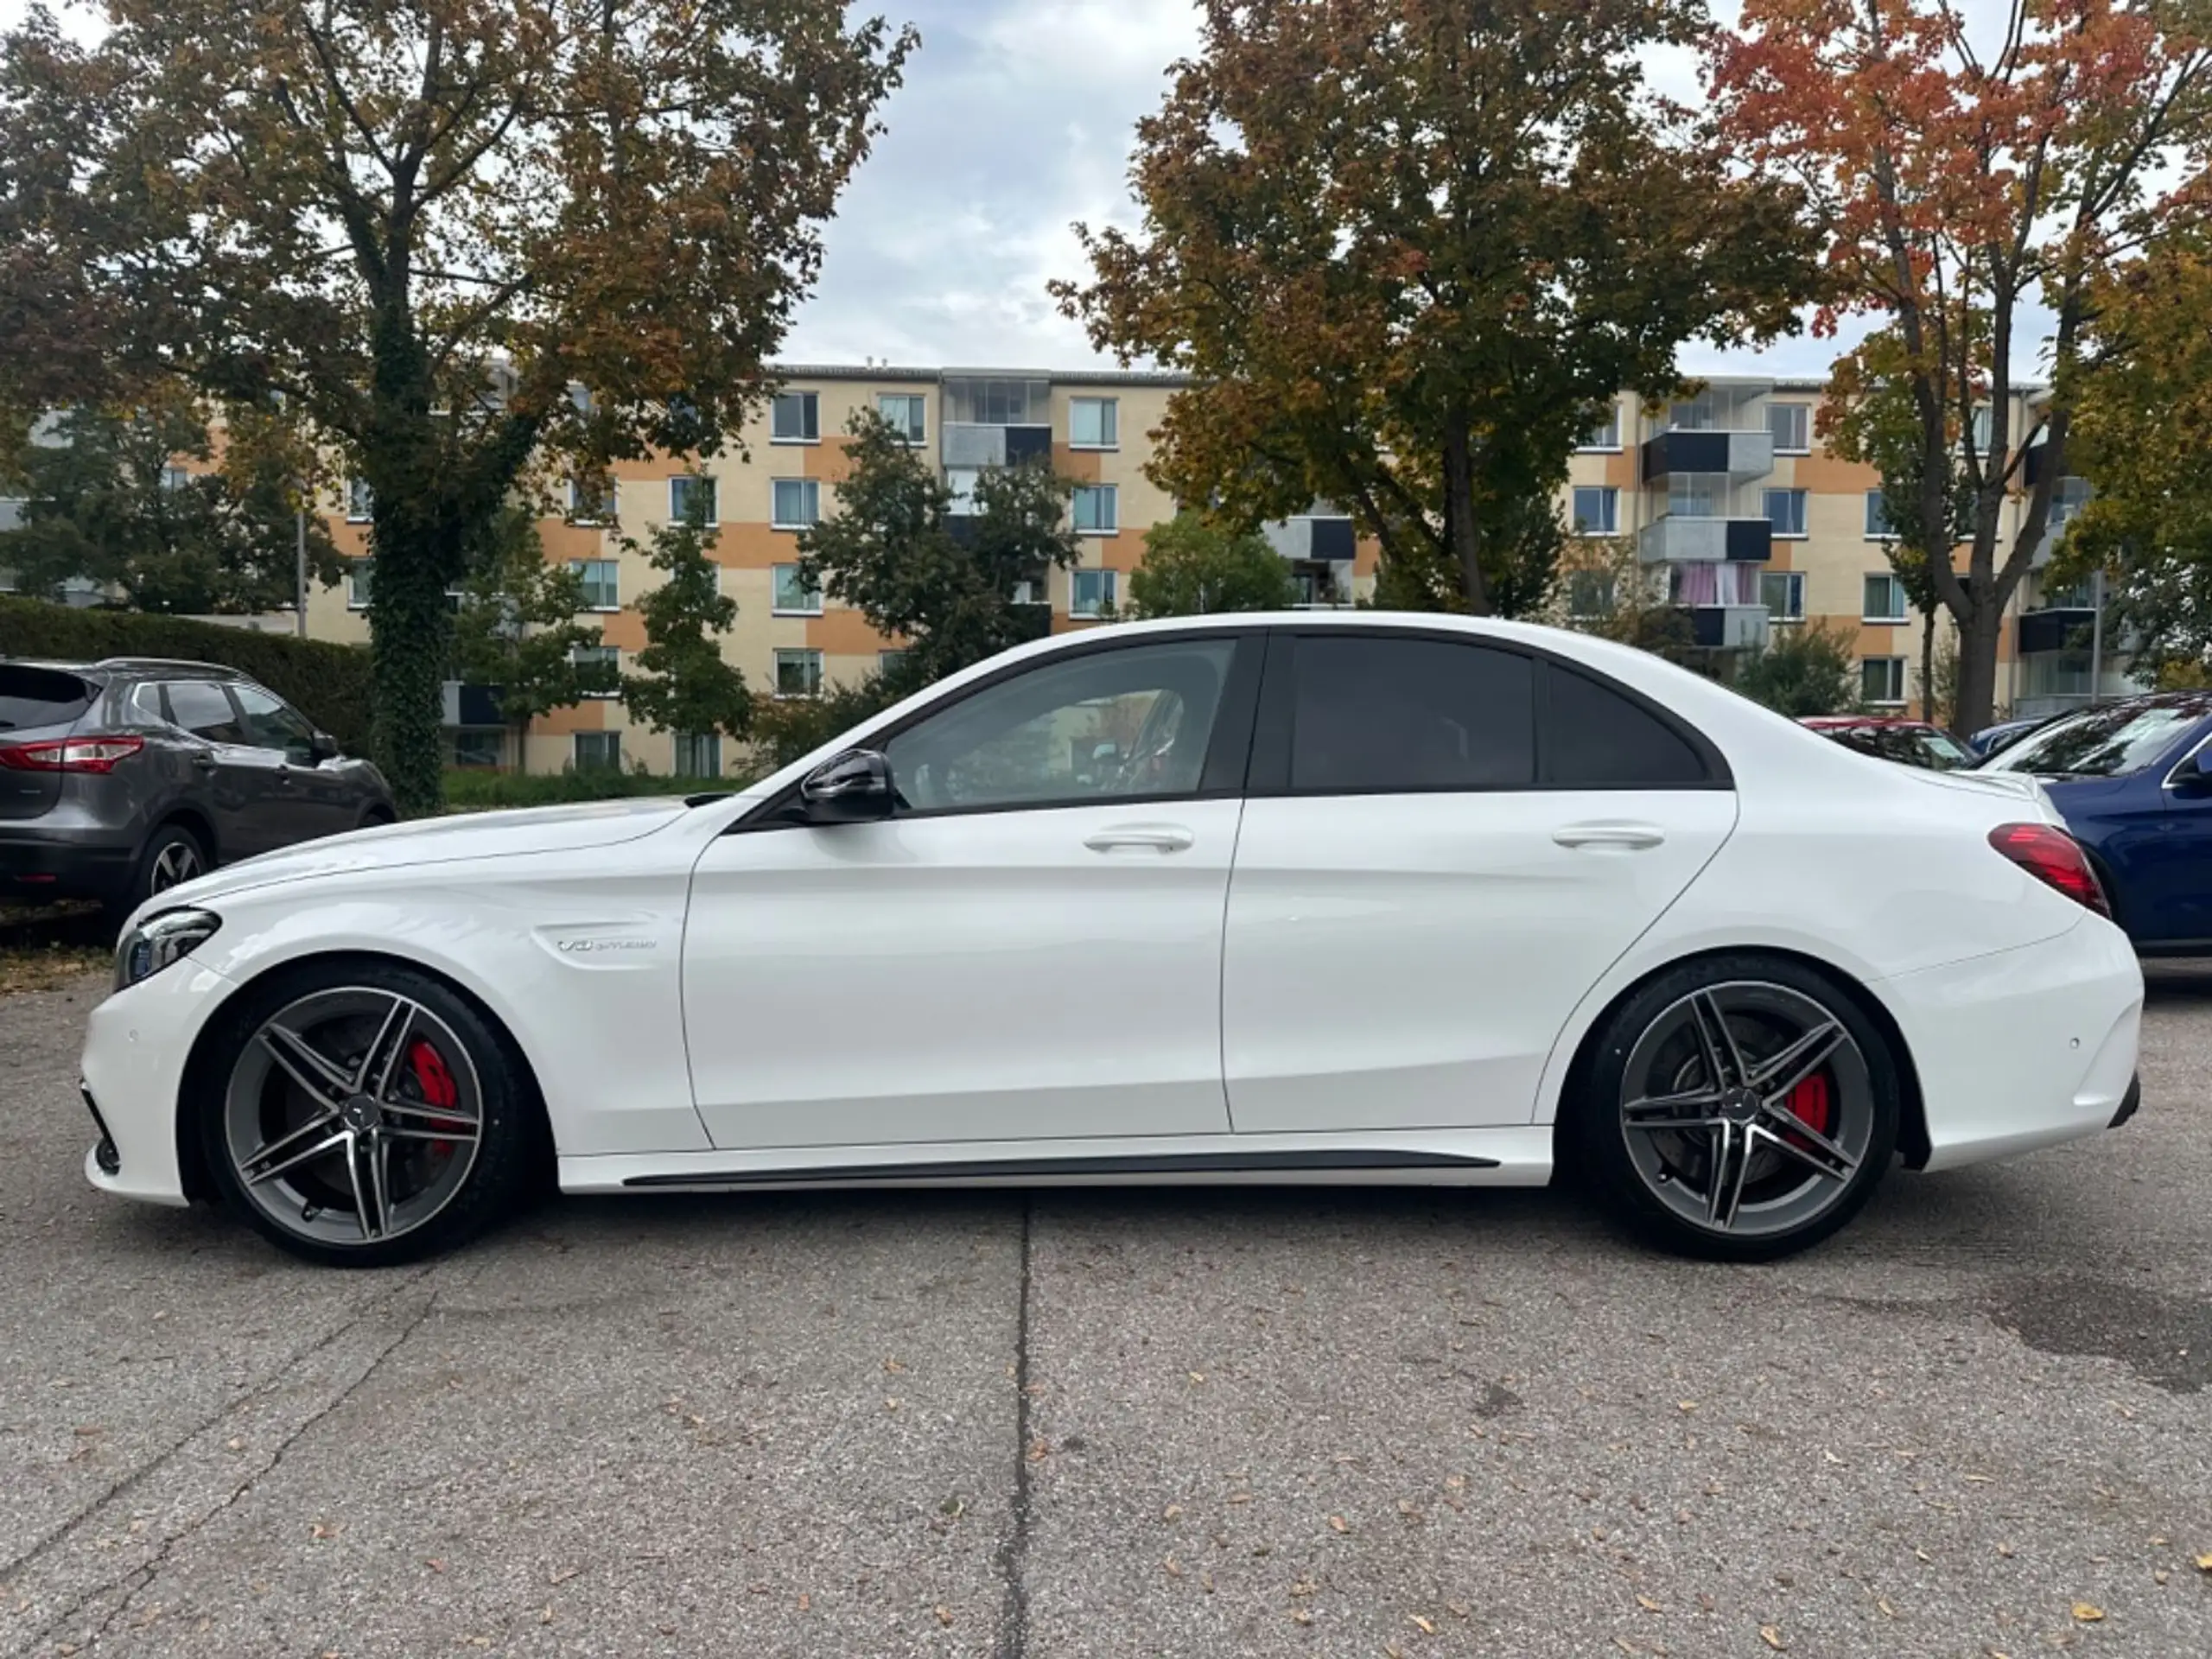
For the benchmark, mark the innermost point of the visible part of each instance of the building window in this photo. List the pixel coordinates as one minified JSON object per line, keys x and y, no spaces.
{"x":1097,"y":509}
{"x":478,"y":748}
{"x":1606,"y":435}
{"x":795,"y":417}
{"x":1785,"y":511}
{"x":903,"y":411}
{"x":1692,"y":413}
{"x":598,"y":751}
{"x":687,"y":494}
{"x":798,"y":673}
{"x":2067,"y":497}
{"x":602,"y":663}
{"x":1980,"y":429}
{"x":890,"y":662}
{"x":1884,"y":600}
{"x":592,"y":502}
{"x":960,"y":485}
{"x":1589,"y":594}
{"x":602,"y":583}
{"x":794,"y":503}
{"x":698,"y":754}
{"x":1783,"y":593}
{"x":1881,"y":679}
{"x":360,"y":502}
{"x":357,"y":583}
{"x":1596,"y":511}
{"x":1093,"y":424}
{"x":1877,"y":518}
{"x":1090,"y":592}
{"x":1693,"y":495}
{"x":793,"y":597}
{"x":175,"y":479}
{"x":1792,"y":426}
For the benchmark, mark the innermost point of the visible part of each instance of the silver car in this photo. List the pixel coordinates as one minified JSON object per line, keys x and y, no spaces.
{"x":120,"y":777}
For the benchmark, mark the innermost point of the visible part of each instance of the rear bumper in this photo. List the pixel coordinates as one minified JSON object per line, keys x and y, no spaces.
{"x":2024,"y":1048}
{"x":2128,"y":1103}
{"x":36,"y":865}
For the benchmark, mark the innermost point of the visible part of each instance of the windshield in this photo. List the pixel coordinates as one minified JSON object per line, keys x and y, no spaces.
{"x":2098,"y":743}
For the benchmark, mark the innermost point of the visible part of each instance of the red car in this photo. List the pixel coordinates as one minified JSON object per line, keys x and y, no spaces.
{"x":1909,"y":742}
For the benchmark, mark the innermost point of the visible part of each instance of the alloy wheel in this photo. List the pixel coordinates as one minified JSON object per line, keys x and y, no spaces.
{"x":1748,"y":1108}
{"x":176,"y":864}
{"x":353,"y":1116}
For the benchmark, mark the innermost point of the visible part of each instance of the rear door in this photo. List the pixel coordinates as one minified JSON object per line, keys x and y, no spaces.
{"x":36,"y":705}
{"x":241,"y":788}
{"x":1447,"y":841}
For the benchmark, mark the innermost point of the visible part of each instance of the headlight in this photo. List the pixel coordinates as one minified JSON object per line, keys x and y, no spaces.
{"x":160,"y":940}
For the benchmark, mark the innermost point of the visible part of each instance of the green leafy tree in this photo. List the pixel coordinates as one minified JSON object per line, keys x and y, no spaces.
{"x":1806,"y":669}
{"x":1408,"y":249}
{"x":943,"y":585}
{"x":427,"y":224}
{"x":685,"y":683}
{"x":518,"y":626}
{"x":1605,"y":588}
{"x":135,"y":502}
{"x":1192,"y":568}
{"x":787,"y":727}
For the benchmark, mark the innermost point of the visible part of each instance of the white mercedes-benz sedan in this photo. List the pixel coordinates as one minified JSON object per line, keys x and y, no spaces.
{"x":1353,"y":897}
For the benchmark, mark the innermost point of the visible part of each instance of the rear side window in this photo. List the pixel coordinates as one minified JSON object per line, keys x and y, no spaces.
{"x":205,"y":710}
{"x":1381,"y":715}
{"x":39,"y":696}
{"x":1596,"y":738}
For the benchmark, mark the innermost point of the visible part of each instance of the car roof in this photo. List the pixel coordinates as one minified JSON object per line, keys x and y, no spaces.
{"x":179,"y":666}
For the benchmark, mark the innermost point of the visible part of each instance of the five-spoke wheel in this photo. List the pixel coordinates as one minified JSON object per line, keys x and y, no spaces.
{"x":1740,"y":1107}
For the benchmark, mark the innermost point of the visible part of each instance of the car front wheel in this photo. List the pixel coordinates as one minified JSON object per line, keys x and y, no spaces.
{"x":364,"y":1115}
{"x":1739,"y":1108}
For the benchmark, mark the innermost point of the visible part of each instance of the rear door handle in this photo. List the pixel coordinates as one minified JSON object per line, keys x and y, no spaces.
{"x":1139,"y":837}
{"x":1623,"y":838}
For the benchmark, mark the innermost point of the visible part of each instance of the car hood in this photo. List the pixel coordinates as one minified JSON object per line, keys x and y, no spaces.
{"x":440,"y":840}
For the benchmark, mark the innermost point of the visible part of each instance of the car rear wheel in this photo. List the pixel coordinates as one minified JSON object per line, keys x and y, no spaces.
{"x":1739,"y":1108}
{"x":171,"y":856}
{"x":364,"y":1115}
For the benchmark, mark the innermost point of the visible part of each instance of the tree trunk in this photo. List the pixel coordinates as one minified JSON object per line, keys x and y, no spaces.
{"x":410,"y":640}
{"x":1463,"y":533}
{"x":1927,"y":663}
{"x":1975,"y":702}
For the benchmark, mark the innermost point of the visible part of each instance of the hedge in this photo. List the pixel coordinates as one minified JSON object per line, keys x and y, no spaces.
{"x":329,"y":684}
{"x":470,"y":789}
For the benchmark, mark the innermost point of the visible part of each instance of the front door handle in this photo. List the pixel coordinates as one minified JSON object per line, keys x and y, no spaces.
{"x":205,"y":762}
{"x":1139,"y":837}
{"x":1618,"y":836}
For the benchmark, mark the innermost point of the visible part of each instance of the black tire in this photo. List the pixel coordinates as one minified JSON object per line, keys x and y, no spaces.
{"x":1648,"y":1176}
{"x":172,"y":854}
{"x":375,"y":817}
{"x":510,"y":1157}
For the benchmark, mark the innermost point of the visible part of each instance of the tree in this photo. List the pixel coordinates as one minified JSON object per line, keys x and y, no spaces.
{"x":1960,"y":180}
{"x":942,"y":584}
{"x":1605,"y":589}
{"x":2142,"y":429}
{"x":687,"y":685}
{"x":1192,"y":568}
{"x":426,"y":224}
{"x":136,"y":502}
{"x":1805,"y":670}
{"x":1409,"y":250}
{"x":516,"y":626}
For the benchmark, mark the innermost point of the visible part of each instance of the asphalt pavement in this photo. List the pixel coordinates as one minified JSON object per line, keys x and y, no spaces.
{"x":1118,"y":1422}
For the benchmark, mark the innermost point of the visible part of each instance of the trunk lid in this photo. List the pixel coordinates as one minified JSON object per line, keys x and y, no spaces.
{"x":36,"y":704}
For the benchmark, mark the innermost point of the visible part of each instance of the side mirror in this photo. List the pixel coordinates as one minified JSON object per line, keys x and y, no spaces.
{"x":322,"y":747}
{"x":853,"y":787}
{"x":2188,"y":778}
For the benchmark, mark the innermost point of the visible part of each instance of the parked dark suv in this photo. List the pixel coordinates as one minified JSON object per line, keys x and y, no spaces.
{"x":121,"y":777}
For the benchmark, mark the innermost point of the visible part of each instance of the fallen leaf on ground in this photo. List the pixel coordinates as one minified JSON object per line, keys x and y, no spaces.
{"x":2087,"y":1612}
{"x":2205,"y":1563}
{"x":1771,"y":1635}
{"x":1648,"y":1605}
{"x":943,"y":1614}
{"x":1338,"y":1523}
{"x":1171,"y":1512}
{"x":1425,"y":1626}
{"x":1299,"y":1615}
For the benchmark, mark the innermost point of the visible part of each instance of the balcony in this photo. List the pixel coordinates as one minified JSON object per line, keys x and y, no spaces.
{"x":1312,"y":539}
{"x":1729,"y":627}
{"x":969,"y":445}
{"x":1735,"y":454}
{"x":1677,"y":539}
{"x":2058,"y":628}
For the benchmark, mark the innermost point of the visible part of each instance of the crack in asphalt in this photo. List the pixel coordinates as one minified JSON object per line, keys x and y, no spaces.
{"x":148,"y":1571}
{"x":1012,"y":1554}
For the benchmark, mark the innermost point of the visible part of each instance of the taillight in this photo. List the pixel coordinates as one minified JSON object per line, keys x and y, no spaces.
{"x":2054,"y":858}
{"x":71,"y":753}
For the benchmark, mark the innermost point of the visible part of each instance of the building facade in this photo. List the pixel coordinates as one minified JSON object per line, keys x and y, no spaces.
{"x":1731,"y":494}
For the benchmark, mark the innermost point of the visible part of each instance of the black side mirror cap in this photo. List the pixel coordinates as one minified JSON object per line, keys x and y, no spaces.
{"x":323,"y":747}
{"x":2189,"y":776}
{"x":853,"y":787}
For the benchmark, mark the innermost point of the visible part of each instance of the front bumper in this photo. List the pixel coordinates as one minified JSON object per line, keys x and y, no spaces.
{"x":136,"y":1047}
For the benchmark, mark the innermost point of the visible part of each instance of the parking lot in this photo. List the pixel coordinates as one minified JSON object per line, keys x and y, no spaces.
{"x":1118,"y":1422}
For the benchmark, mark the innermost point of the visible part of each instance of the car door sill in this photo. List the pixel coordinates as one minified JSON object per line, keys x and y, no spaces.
{"x":1131,"y":1164}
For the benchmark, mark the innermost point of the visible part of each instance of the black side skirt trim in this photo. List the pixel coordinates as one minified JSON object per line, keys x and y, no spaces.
{"x":1164,"y":1163}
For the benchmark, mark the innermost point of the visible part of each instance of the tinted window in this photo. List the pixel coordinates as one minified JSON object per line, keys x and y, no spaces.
{"x":270,"y":725}
{"x":39,"y":696}
{"x":201,"y":708}
{"x":2100,"y":742}
{"x":1131,"y":721}
{"x":1595,"y":737}
{"x":1375,"y":714}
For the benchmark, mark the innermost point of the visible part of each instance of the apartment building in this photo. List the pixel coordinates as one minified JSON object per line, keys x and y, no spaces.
{"x":1731,"y":493}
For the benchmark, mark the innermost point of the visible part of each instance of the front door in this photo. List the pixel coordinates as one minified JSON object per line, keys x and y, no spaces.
{"x":315,"y":799}
{"x":1448,"y":843}
{"x":1029,"y":949}
{"x":240,"y":787}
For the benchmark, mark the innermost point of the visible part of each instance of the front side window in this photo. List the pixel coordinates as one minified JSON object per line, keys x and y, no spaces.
{"x":798,"y":673}
{"x":270,"y":725}
{"x":1785,"y":511}
{"x":1881,"y":679}
{"x":698,"y":754}
{"x":1596,"y":511}
{"x":1378,"y":715}
{"x":2109,"y":742}
{"x":794,"y":503}
{"x":793,"y":597}
{"x":598,"y":751}
{"x":1131,"y":721}
{"x":795,"y":417}
{"x":1090,"y":592}
{"x":1096,"y":510}
{"x":904,"y":412}
{"x":1093,"y":424}
{"x":688,"y":494}
{"x":602,"y":583}
{"x":1791,"y":425}
{"x":203,"y":709}
{"x":1884,"y":600}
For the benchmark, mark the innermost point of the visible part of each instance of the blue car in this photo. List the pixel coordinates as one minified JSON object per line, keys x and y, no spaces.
{"x":1990,"y":738}
{"x":2133,"y":781}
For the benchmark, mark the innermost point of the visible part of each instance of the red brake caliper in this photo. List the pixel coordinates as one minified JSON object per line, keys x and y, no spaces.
{"x":438,"y":1090}
{"x":1811,"y":1105}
